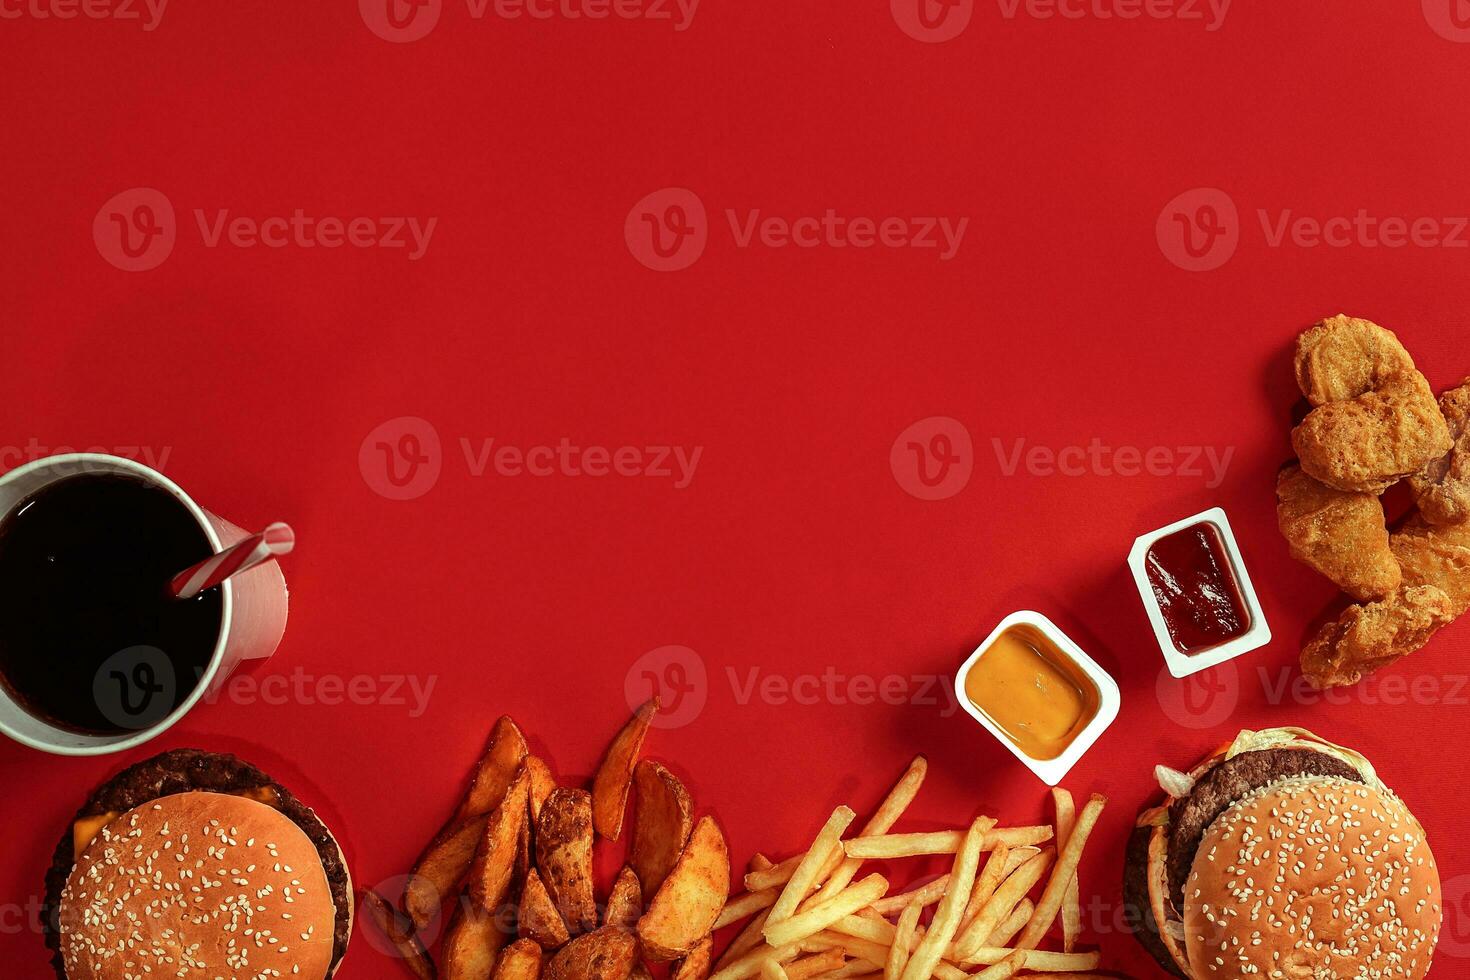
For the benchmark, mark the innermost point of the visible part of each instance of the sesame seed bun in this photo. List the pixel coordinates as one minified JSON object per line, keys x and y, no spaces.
{"x":1313,"y":877}
{"x":198,"y":885}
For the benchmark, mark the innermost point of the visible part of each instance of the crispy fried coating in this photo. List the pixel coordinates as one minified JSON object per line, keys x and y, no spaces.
{"x":1340,"y":534}
{"x":1369,"y":637}
{"x":1369,"y":443}
{"x":1442,"y":489}
{"x":1344,"y":357}
{"x":1438,"y":557}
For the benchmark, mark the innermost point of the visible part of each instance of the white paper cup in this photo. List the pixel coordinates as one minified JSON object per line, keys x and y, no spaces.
{"x":252,"y":612}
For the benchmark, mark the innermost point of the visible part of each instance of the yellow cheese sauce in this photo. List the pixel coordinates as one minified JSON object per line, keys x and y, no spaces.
{"x":1032,"y":691}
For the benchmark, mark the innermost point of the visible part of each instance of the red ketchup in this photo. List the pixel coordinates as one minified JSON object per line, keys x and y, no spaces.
{"x":1196,"y":589}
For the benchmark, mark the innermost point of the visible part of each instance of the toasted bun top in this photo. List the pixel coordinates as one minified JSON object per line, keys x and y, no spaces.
{"x":198,"y":886}
{"x":1313,"y":877}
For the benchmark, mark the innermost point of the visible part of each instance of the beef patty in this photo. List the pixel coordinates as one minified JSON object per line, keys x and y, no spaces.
{"x":1226,"y":784}
{"x":184,"y":771}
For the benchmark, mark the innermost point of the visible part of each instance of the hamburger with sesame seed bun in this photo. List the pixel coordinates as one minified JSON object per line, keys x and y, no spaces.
{"x":195,"y":865}
{"x":1282,"y":855}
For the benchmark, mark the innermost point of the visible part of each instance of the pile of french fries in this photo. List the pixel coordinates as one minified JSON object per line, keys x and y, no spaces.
{"x":812,"y":916}
{"x":515,"y":864}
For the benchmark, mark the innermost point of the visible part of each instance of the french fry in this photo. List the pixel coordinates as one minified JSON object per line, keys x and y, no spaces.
{"x":898,"y":953}
{"x":1066,"y":869}
{"x":771,"y":970}
{"x":804,"y":924}
{"x":750,"y":963}
{"x":744,"y":905}
{"x":661,"y":824}
{"x":1006,"y":898}
{"x":774,"y":876}
{"x":538,"y":918}
{"x":889,"y":846}
{"x":749,"y":938}
{"x":564,"y":856}
{"x":625,"y":901}
{"x":877,"y":930}
{"x":987,"y":882}
{"x":686,"y":906}
{"x":503,"y":755}
{"x":615,"y":775}
{"x":696,"y":965}
{"x":400,"y":933}
{"x":1017,"y":920}
{"x":1039,"y":961}
{"x":951,"y":907}
{"x":521,"y":960}
{"x":1072,"y":900}
{"x":829,"y":839}
{"x":818,"y":964}
{"x":1019,"y":856}
{"x":882,"y":821}
{"x":1005,"y":968}
{"x":925,"y":895}
{"x":758,"y":862}
{"x":874,"y":953}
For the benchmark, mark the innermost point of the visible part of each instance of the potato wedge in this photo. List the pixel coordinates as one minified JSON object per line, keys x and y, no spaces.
{"x":625,"y":902}
{"x":542,"y":783}
{"x":441,"y":869}
{"x":503,"y":755}
{"x":610,"y":786}
{"x":662,"y":818}
{"x":640,"y":971}
{"x":695,"y":966}
{"x":563,"y":850}
{"x":521,"y":960}
{"x":400,"y":933}
{"x":685,"y":908}
{"x":538,"y":918}
{"x":495,"y":861}
{"x":608,"y":953}
{"x":472,"y":945}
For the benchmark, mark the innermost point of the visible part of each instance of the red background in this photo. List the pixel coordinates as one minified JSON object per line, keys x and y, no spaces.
{"x":794,"y":549}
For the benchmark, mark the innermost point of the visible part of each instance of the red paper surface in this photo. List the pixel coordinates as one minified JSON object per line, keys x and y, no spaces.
{"x":1072,"y":314}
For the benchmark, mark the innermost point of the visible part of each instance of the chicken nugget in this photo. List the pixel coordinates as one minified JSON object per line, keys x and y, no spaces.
{"x":1369,"y":637}
{"x":1437,"y":556}
{"x":1344,"y":357}
{"x":1442,"y":489}
{"x":1342,"y":535}
{"x":1369,"y":443}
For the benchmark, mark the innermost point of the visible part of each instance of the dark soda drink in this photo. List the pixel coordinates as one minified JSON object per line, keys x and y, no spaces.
{"x":90,"y":640}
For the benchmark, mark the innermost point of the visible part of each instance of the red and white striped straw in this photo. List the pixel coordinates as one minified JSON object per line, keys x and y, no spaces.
{"x":274,"y":541}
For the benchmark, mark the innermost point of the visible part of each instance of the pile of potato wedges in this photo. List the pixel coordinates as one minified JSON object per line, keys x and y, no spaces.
{"x":513,"y":872}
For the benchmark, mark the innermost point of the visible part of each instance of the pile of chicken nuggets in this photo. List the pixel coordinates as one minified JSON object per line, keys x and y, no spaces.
{"x":1374,"y":423}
